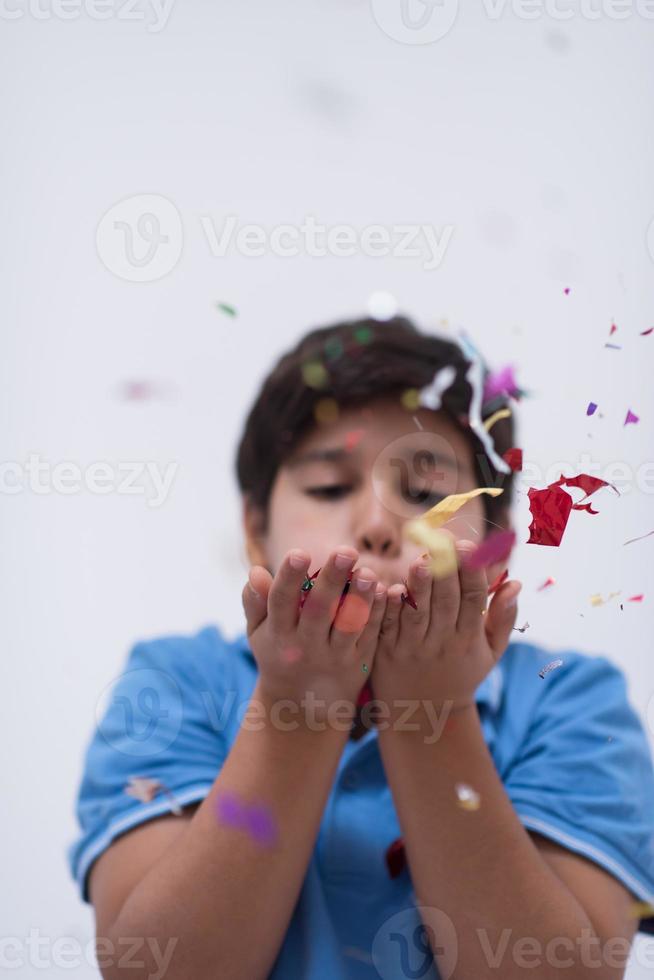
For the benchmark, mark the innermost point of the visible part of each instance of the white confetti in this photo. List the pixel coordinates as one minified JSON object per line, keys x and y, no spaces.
{"x":431,"y":395}
{"x":468,"y":798}
{"x":382,"y":306}
{"x":551,"y":666}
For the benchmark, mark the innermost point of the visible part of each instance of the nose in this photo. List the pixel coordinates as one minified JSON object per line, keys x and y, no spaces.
{"x":377,"y":530}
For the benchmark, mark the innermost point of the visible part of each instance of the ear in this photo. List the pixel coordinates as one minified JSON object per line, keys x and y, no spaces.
{"x":497,"y":567}
{"x":254,"y":527}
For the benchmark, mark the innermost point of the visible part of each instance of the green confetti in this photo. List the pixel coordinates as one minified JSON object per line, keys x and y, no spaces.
{"x":365,"y":669}
{"x":333,"y":348}
{"x":226,"y":308}
{"x":363,"y":335}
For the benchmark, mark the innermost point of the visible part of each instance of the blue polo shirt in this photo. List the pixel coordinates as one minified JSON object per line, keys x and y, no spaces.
{"x":570,"y":750}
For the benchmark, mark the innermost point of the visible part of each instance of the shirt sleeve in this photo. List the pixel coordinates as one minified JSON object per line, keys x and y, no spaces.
{"x":584,"y":775}
{"x":156,"y":722}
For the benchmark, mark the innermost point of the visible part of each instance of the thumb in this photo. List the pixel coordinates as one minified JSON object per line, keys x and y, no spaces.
{"x":501,"y":616}
{"x":255,"y":597}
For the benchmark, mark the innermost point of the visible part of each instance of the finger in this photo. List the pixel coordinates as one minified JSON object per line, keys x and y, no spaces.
{"x":473,"y":584}
{"x":501,"y":616}
{"x":321,"y":605}
{"x":255,"y":597}
{"x":390,"y":624}
{"x":445,"y":600}
{"x":285,"y":591}
{"x":414,"y":623}
{"x":367,"y":642}
{"x":353,"y":614}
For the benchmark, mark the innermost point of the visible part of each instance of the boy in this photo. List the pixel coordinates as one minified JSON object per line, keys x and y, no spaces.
{"x":486,"y":820}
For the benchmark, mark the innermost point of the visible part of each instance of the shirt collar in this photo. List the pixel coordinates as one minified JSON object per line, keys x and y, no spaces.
{"x":489,"y":692}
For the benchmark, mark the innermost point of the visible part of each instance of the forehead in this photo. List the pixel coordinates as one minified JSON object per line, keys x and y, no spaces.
{"x":362,"y":432}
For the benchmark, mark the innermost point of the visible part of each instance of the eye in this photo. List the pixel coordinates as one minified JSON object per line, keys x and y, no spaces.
{"x":332,"y":492}
{"x":423,"y":496}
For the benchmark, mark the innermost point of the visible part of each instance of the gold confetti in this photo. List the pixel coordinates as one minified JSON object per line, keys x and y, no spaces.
{"x":445,"y":509}
{"x":440,"y":545}
{"x":467,"y":797}
{"x":641,"y":910}
{"x":325,"y":411}
{"x":502,"y":413}
{"x":315,"y":375}
{"x":596,"y":600}
{"x":411,"y":399}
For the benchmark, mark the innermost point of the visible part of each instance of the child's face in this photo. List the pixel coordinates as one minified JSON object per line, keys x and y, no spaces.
{"x":385,"y":471}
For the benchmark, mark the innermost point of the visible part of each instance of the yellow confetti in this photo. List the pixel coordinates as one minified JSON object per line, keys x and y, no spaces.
{"x":315,"y":374}
{"x":502,"y":413}
{"x":467,"y":797}
{"x":326,"y":410}
{"x":445,"y":509}
{"x":596,"y":600}
{"x":410,"y":399}
{"x":641,"y":910}
{"x":440,"y":545}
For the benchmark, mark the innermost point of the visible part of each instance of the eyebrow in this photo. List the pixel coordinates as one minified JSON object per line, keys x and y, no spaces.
{"x":338,"y":454}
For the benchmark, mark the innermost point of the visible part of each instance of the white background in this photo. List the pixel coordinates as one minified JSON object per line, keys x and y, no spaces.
{"x":532,"y":138}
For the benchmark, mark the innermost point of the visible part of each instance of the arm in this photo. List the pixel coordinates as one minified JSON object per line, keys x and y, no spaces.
{"x":226,"y":899}
{"x":507,"y":893}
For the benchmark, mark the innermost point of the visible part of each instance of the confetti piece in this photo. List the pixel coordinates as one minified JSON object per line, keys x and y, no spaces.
{"x":631,"y":418}
{"x":396,"y":858}
{"x":521,"y":629}
{"x":227,"y":309}
{"x":410,"y":399}
{"x":364,"y":668}
{"x":641,"y":538}
{"x":592,"y":408}
{"x":365,"y":694}
{"x":612,"y":330}
{"x":357,"y":954}
{"x":315,"y":374}
{"x":596,"y":600}
{"x":432,"y":394}
{"x":646,"y":333}
{"x":333,"y":348}
{"x":501,"y":382}
{"x":138,"y":391}
{"x":474,"y":377}
{"x":145,"y":789}
{"x":514,"y":458}
{"x":502,"y":413}
{"x":326,"y":411}
{"x":641,"y":910}
{"x":408,"y":597}
{"x":496,"y":547}
{"x":549,"y":581}
{"x":613,"y":346}
{"x":499,"y":582}
{"x":551,"y":666}
{"x":467,"y":797}
{"x":418,"y":425}
{"x":382,"y":306}
{"x":636,"y":598}
{"x":441,"y":548}
{"x":353,"y":438}
{"x":550,"y":508}
{"x":256,"y":819}
{"x":445,"y":509}
{"x":567,"y":290}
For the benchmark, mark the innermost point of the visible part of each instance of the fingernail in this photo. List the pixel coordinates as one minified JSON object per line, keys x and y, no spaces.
{"x":423,"y":571}
{"x":297,"y":561}
{"x":363,"y":584}
{"x":253,"y":590}
{"x":344,"y":561}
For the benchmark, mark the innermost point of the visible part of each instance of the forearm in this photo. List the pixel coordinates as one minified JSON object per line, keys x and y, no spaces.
{"x":227,"y":898}
{"x":480,"y":867}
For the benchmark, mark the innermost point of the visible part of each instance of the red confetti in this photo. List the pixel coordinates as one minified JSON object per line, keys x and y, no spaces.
{"x":613,"y":329}
{"x":551,"y":507}
{"x":353,"y":438}
{"x":646,"y":333}
{"x":549,"y":581}
{"x":636,"y":598}
{"x":496,"y":547}
{"x":499,"y":581}
{"x":586,"y":507}
{"x":396,"y":858}
{"x":408,"y":597}
{"x":365,"y":695}
{"x":514,"y":458}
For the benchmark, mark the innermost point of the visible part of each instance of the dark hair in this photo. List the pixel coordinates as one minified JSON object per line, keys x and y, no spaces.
{"x":353,"y":362}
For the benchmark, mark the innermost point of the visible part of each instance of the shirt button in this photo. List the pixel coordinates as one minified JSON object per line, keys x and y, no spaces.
{"x":351,"y":781}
